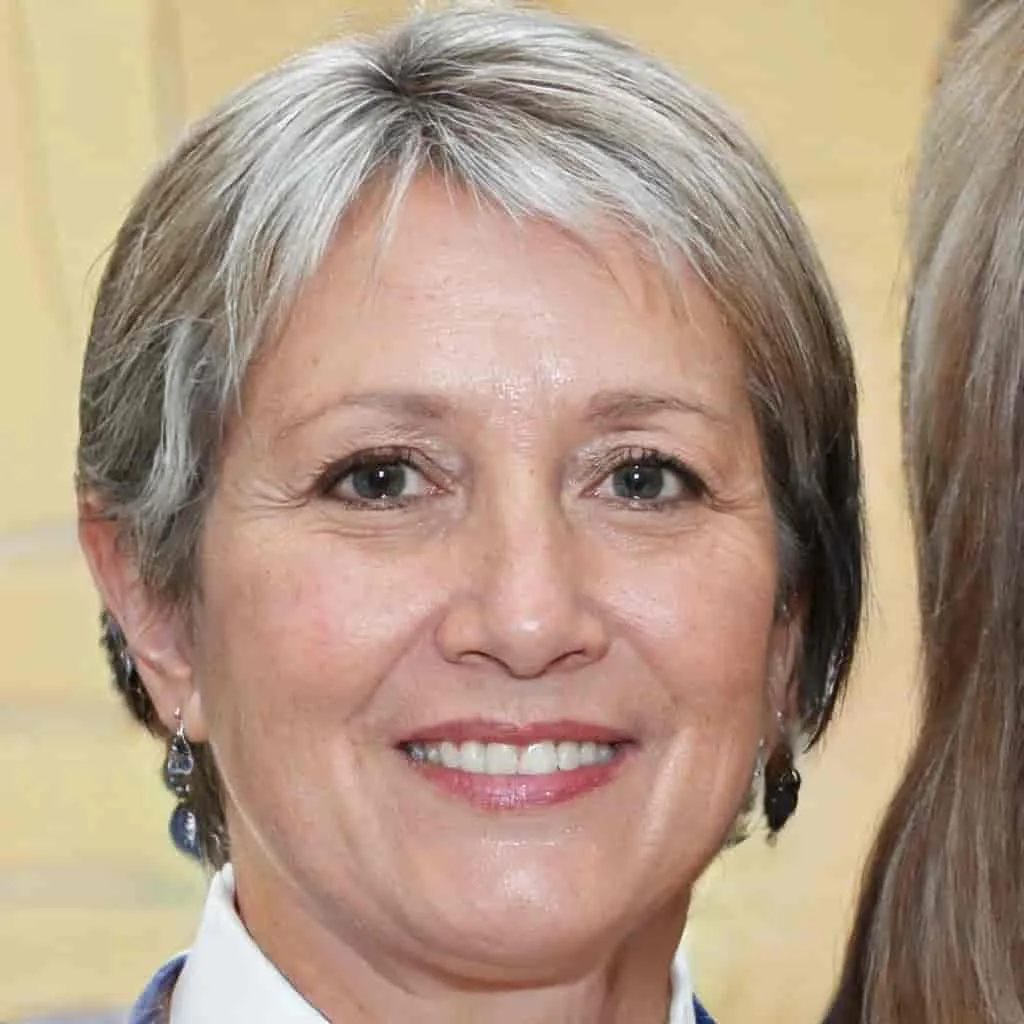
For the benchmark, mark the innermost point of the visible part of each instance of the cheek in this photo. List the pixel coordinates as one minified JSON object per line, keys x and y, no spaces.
{"x":699,"y":618}
{"x":702,"y":617}
{"x":302,"y":629}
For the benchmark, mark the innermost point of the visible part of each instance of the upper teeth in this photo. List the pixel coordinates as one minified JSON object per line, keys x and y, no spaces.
{"x":505,"y":759}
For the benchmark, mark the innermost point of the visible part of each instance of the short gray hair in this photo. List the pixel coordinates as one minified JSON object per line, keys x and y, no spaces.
{"x":541,"y":116}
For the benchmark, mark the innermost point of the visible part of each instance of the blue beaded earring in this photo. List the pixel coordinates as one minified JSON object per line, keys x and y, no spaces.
{"x":178,"y":769}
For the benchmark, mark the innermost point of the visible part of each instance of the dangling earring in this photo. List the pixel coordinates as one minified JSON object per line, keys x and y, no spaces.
{"x":781,"y":787}
{"x":178,"y":769}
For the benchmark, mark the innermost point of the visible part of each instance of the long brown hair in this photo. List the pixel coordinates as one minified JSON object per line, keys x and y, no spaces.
{"x":939,"y":932}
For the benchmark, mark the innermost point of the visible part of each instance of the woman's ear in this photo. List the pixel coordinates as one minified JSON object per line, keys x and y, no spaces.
{"x":155,"y":632}
{"x":783,"y":661}
{"x":782,"y":725}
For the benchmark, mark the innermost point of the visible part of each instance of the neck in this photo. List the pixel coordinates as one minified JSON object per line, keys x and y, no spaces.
{"x":349,"y":976}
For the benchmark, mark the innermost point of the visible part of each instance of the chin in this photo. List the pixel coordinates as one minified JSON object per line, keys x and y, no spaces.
{"x":529,"y":945}
{"x":528,"y":922}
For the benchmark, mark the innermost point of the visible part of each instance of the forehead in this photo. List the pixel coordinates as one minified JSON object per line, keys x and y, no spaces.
{"x":463,"y":301}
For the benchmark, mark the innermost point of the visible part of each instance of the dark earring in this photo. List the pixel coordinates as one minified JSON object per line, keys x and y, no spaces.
{"x":781,"y":787}
{"x":178,"y":769}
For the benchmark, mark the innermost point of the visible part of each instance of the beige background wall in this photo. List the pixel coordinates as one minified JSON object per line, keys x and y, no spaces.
{"x":91,"y":894}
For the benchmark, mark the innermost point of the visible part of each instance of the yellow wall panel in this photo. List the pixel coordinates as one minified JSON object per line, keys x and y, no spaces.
{"x":36,"y":380}
{"x":92,"y":67}
{"x":225,"y":43}
{"x":76,"y":114}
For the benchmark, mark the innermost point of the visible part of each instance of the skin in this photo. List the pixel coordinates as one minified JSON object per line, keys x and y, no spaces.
{"x":516,"y":370}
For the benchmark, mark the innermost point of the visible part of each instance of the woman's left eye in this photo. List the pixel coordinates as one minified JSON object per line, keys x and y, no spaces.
{"x":650,"y":480}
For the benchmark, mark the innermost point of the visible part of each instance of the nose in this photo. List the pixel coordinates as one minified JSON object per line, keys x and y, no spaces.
{"x":523,"y":604}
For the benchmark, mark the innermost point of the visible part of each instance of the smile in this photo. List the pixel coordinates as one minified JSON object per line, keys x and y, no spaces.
{"x":516,"y":767}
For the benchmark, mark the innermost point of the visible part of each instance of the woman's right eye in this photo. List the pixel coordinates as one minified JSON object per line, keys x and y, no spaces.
{"x":378,"y":482}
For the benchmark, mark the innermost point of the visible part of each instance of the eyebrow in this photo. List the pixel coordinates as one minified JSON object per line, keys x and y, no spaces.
{"x":615,"y":406}
{"x":402,"y":405}
{"x":604,"y":407}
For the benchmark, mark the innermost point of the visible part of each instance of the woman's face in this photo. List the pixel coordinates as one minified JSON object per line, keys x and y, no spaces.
{"x":486,"y":644}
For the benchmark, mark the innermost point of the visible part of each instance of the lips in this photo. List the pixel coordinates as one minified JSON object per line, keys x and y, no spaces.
{"x":504,"y":766}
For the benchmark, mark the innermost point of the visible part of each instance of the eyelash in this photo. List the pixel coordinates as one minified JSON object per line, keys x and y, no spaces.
{"x":690,"y":480}
{"x":332,"y":473}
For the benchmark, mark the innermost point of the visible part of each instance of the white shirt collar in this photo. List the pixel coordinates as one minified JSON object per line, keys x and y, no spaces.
{"x":227,"y":976}
{"x":681,"y":1010}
